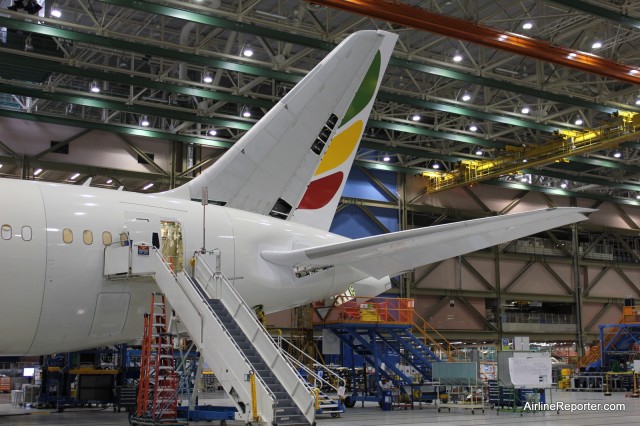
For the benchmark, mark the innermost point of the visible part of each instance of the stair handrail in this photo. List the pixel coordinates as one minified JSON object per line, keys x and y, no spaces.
{"x":298,"y":393}
{"x":595,"y":351}
{"x":322,"y":366}
{"x":264,"y":388}
{"x":450,"y":348}
{"x":309,"y":371}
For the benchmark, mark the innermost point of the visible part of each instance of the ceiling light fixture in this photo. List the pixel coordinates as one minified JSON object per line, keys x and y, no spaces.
{"x":435,"y":165}
{"x":147,"y":186}
{"x":596,"y":44}
{"x":525,"y":110}
{"x":245,"y":112}
{"x":247,"y":51}
{"x":386,"y":159}
{"x":617,"y":154}
{"x":75,"y":176}
{"x":527,"y":25}
{"x":55,"y":12}
{"x":213,"y":132}
{"x":466,"y":97}
{"x":144,"y":121}
{"x":473,"y":128}
{"x":563,"y":185}
{"x":415,"y":117}
{"x":36,"y":172}
{"x":479,"y":152}
{"x":457,"y":57}
{"x":578,"y":121}
{"x":206,"y":78}
{"x":109,"y":181}
{"x":94,"y":87}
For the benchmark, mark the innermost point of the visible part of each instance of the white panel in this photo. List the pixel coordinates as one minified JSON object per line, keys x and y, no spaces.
{"x":111,"y":314}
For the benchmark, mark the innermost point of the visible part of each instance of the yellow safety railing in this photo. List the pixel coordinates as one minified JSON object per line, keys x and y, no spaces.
{"x":621,"y":128}
{"x":427,"y":331}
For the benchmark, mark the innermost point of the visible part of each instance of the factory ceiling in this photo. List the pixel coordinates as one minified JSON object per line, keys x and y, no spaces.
{"x":469,"y":79}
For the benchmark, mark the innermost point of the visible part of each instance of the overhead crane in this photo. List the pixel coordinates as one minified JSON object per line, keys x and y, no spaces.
{"x":622,"y":127}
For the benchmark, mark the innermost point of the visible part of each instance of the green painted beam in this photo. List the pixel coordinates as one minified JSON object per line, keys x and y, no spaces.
{"x":149,"y":133}
{"x":581,"y":178}
{"x":601,"y":12}
{"x":263,"y":72}
{"x":318,"y":44}
{"x":113,"y":43}
{"x":214,"y":21}
{"x":466,"y":111}
{"x":388,"y":167}
{"x":410,"y":151}
{"x":434,"y":133}
{"x":105,"y":103}
{"x":605,"y":163}
{"x":122,"y":77}
{"x":562,"y":192}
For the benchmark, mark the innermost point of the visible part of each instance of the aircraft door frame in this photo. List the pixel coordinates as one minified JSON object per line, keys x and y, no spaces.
{"x":140,"y":228}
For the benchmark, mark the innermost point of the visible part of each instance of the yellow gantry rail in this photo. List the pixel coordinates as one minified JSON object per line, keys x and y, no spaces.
{"x":622,"y":127}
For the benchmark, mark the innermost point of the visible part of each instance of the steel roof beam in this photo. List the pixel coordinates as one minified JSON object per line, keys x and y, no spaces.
{"x":602,"y":12}
{"x":173,"y":12}
{"x":415,"y":17}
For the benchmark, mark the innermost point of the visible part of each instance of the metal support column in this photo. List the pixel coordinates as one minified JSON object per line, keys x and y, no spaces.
{"x":578,"y":290}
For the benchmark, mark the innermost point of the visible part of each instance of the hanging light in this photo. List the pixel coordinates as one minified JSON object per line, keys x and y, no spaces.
{"x":213,"y":132}
{"x":36,"y":172}
{"x":479,"y":152}
{"x":466,"y":97}
{"x":109,"y":181}
{"x":247,"y":50}
{"x":144,"y":121}
{"x":617,"y":154}
{"x":597,"y":44}
{"x":525,"y":110}
{"x":94,"y":87}
{"x":435,"y":165}
{"x":245,"y":112}
{"x":473,"y":128}
{"x":415,"y":116}
{"x":578,"y":121}
{"x":206,"y":78}
{"x":563,"y":185}
{"x":386,"y":158}
{"x":147,"y":186}
{"x":55,"y":11}
{"x":527,"y":25}
{"x":457,"y":57}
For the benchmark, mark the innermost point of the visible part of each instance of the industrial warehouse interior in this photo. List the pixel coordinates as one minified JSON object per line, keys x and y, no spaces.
{"x":288,"y":212}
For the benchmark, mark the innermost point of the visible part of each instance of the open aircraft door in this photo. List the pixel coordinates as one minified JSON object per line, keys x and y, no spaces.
{"x":144,"y":234}
{"x":129,"y":256}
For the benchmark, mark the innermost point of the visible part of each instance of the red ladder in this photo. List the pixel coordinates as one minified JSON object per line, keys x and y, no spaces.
{"x":158,"y":388}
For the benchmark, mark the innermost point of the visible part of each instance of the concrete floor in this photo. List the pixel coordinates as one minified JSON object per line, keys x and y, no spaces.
{"x":370,"y":415}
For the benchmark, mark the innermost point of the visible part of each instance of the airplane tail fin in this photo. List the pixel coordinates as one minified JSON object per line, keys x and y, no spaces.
{"x":320,"y":200}
{"x":269,"y":169}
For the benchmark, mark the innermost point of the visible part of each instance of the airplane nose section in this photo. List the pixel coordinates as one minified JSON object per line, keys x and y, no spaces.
{"x":371,"y":286}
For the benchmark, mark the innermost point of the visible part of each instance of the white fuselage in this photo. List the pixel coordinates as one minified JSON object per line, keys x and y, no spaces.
{"x":55,"y":296}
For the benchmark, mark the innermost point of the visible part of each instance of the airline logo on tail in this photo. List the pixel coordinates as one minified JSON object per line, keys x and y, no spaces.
{"x":320,"y":200}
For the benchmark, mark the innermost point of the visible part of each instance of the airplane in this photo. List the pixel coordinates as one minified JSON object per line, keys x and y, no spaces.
{"x":266,"y":205}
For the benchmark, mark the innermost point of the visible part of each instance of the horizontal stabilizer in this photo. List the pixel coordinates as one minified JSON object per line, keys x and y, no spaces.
{"x":390,"y":254}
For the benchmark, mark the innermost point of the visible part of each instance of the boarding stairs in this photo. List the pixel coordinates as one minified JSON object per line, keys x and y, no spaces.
{"x":247,"y":362}
{"x":315,"y":383}
{"x":158,"y":387}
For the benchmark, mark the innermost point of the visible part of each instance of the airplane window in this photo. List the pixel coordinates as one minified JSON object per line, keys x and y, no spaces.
{"x":26,"y":233}
{"x":87,"y":237}
{"x":6,"y":232}
{"x":106,"y":238}
{"x":67,"y":235}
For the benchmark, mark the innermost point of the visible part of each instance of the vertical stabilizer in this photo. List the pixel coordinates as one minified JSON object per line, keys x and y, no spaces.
{"x":321,"y":198}
{"x":269,"y":169}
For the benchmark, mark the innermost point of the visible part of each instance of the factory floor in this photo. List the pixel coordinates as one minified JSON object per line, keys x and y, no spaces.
{"x":585,"y":413}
